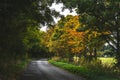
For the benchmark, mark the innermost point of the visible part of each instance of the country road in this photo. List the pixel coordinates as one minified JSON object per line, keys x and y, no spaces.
{"x":42,"y":70}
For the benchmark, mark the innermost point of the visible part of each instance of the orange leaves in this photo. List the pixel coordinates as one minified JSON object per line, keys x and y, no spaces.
{"x":71,"y":42}
{"x":75,"y":41}
{"x":77,"y":49}
{"x":106,"y":33}
{"x":75,"y":33}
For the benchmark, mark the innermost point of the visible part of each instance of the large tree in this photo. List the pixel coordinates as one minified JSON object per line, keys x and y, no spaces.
{"x":19,"y":20}
{"x":100,"y":15}
{"x":17,"y":16}
{"x":65,"y":41}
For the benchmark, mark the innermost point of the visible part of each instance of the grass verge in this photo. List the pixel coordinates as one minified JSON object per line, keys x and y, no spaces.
{"x":12,"y":69}
{"x":85,"y":71}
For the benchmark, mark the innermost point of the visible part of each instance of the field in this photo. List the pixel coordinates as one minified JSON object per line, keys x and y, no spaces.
{"x":107,"y":61}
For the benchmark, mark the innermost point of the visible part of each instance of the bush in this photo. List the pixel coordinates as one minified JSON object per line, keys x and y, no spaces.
{"x":56,"y":58}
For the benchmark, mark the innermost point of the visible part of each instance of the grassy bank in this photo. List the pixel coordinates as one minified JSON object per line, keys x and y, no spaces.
{"x":89,"y":73}
{"x":21,"y":66}
{"x":12,"y":69}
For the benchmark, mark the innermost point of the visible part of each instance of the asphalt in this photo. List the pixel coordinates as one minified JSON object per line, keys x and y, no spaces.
{"x":42,"y":70}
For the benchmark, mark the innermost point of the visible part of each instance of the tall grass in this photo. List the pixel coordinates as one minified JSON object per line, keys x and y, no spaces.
{"x":94,"y":70}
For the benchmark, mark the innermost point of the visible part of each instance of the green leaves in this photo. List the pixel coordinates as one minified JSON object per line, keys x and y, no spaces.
{"x":101,"y":16}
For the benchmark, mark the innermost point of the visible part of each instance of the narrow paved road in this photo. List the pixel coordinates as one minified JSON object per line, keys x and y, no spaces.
{"x":42,"y":70}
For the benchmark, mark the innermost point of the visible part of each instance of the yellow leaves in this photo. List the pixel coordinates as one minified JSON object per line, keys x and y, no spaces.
{"x":71,"y":42}
{"x":74,"y":39}
{"x":68,"y":38}
{"x":90,"y":34}
{"x":93,"y":34}
{"x":77,"y":49}
{"x":75,"y":33}
{"x":73,"y":23}
{"x":106,"y":33}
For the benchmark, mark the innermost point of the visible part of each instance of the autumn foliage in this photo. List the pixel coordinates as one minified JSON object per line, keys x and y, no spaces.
{"x":65,"y":38}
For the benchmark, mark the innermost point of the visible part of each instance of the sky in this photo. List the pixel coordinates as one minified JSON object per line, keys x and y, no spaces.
{"x":58,"y":7}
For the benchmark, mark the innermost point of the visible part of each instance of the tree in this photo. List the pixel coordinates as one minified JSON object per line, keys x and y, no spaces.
{"x":17,"y":16}
{"x":81,"y":40}
{"x":46,"y":39}
{"x":65,"y":41}
{"x":93,"y":42}
{"x":100,"y":15}
{"x":19,"y":20}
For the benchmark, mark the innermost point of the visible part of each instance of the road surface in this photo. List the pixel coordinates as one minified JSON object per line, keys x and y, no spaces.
{"x":42,"y":70}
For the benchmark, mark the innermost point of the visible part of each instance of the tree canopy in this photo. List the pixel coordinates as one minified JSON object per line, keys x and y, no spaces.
{"x":100,"y":15}
{"x":17,"y":16}
{"x":20,"y":21}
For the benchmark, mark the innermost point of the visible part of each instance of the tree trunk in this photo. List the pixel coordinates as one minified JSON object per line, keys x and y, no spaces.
{"x":118,"y":47}
{"x":90,"y":56}
{"x":95,"y":53}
